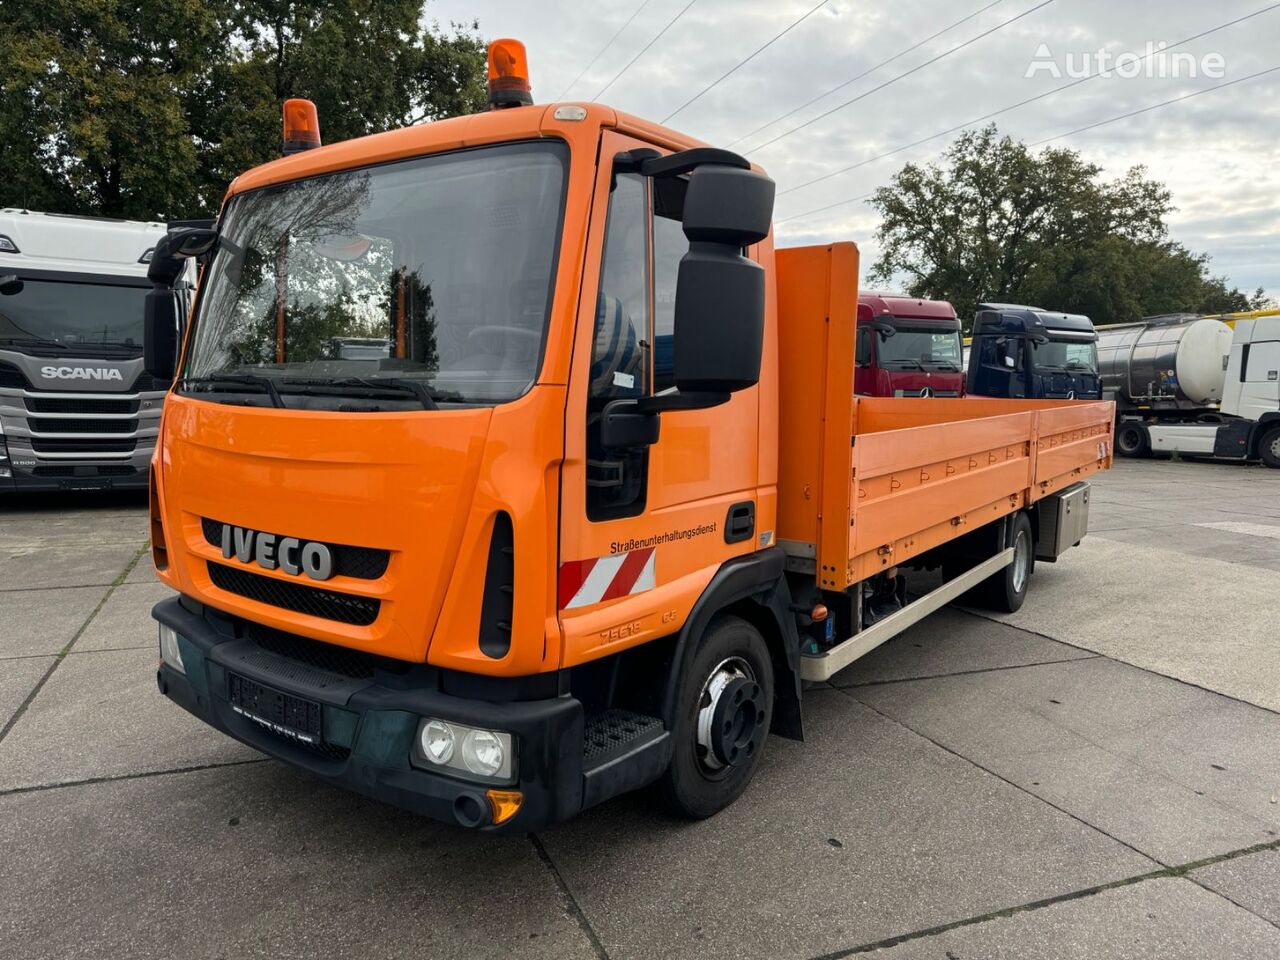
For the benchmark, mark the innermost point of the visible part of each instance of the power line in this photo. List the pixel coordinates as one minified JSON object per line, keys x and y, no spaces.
{"x":902,"y":76}
{"x":838,"y":203}
{"x":1071,"y":133}
{"x":1022,"y":103}
{"x":743,"y":63}
{"x":869,"y":70}
{"x":1157,"y":106}
{"x":645,"y":49}
{"x":574,"y":82}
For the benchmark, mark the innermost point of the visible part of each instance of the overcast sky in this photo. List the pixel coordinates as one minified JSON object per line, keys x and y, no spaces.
{"x":1217,"y":152}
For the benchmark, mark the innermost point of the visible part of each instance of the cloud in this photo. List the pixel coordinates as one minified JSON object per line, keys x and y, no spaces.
{"x":1216,"y":152}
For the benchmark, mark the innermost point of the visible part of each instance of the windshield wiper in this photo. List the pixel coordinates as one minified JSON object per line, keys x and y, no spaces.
{"x":361,"y":386}
{"x":1077,"y":365}
{"x":946,"y":364}
{"x":915,"y":364}
{"x":244,"y":378}
{"x":35,"y":342}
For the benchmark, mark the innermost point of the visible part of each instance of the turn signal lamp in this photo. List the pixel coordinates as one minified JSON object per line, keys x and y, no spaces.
{"x":508,"y":75}
{"x":301,"y":126}
{"x":504,"y":804}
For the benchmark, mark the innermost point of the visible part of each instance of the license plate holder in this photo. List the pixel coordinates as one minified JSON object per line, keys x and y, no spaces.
{"x":283,"y":713}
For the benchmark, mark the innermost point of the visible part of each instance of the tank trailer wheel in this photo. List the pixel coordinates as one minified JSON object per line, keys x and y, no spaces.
{"x":1269,"y":448}
{"x":1132,"y":440}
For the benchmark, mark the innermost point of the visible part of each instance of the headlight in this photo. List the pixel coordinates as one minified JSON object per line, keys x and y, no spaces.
{"x":484,"y":755}
{"x":436,"y":740}
{"x":169,"y":651}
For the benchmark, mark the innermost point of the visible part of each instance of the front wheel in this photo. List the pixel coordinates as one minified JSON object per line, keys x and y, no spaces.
{"x":1269,"y":448}
{"x":723,"y":709}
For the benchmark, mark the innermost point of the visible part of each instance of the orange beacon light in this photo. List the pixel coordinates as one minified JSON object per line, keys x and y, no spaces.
{"x":508,"y":75}
{"x":301,"y":126}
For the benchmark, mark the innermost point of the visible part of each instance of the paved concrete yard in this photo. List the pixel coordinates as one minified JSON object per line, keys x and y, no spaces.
{"x":1096,"y":776}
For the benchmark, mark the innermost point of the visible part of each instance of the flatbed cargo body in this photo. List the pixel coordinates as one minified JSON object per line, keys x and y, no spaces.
{"x":583,"y":530}
{"x":866,"y":485}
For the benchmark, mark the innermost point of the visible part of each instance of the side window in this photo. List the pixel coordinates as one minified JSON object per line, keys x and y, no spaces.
{"x":669,"y":246}
{"x":616,"y":479}
{"x":862,"y":350}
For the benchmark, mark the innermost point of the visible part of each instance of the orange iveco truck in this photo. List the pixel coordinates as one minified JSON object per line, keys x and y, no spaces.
{"x":509,"y":467}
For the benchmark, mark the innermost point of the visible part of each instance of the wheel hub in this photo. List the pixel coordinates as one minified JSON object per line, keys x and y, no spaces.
{"x":731,"y":716}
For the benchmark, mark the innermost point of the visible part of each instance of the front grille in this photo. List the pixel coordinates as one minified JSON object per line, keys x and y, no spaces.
{"x":146,"y":383}
{"x":74,"y":405}
{"x":60,"y":425}
{"x":11,"y":376}
{"x":312,"y":601}
{"x":56,"y":445}
{"x":359,"y":563}
{"x":104,"y":470}
{"x":313,"y":654}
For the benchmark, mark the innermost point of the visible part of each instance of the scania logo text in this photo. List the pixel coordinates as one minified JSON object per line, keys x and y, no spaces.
{"x":289,"y":554}
{"x":81,"y":373}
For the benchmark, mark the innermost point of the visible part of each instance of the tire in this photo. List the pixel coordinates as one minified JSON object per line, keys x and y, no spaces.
{"x":1005,"y":591}
{"x":1132,"y":440}
{"x":708,"y":772}
{"x":1269,"y":448}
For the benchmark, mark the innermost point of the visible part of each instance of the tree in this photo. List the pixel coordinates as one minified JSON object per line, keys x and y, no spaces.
{"x":995,"y":222}
{"x":147,"y":109}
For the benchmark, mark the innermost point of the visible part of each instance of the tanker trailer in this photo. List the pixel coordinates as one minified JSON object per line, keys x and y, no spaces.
{"x":1189,"y":384}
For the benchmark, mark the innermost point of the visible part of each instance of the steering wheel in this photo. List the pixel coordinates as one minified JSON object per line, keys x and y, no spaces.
{"x":478,"y":335}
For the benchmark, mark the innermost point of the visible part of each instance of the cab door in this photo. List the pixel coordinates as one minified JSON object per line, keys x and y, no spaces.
{"x":642,"y":529}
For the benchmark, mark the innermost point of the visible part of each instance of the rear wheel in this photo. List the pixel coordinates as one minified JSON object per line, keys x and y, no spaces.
{"x":723,"y":709}
{"x":1269,"y":448}
{"x":1005,"y":591}
{"x":1132,"y":440}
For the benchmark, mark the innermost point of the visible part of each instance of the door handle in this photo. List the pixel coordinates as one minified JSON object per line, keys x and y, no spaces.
{"x":740,"y":524}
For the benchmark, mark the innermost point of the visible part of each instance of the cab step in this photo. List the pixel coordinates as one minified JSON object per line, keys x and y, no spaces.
{"x":621,"y":750}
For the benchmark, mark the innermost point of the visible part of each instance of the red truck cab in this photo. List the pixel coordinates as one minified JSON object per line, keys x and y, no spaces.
{"x":907,"y":347}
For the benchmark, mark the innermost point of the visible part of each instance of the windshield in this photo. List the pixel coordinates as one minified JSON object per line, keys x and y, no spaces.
{"x":405,"y":284}
{"x":1067,"y":355}
{"x":918,"y":347}
{"x":85,"y":318}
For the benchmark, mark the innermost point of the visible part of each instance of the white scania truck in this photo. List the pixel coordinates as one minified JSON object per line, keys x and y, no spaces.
{"x":1190,"y":384}
{"x":77,"y":411}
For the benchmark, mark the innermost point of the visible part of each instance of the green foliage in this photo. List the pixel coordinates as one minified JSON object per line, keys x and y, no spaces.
{"x":995,"y":222}
{"x":147,"y":109}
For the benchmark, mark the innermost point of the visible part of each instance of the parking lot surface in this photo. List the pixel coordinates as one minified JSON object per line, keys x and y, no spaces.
{"x":1094,"y":776}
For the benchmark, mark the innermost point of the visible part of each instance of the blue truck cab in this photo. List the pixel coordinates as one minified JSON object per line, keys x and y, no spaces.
{"x":1027,"y":352}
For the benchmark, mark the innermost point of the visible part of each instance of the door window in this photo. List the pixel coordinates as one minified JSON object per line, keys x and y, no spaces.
{"x":616,"y":479}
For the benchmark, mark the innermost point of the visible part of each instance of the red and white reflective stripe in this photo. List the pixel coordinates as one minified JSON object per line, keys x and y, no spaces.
{"x":584,"y":582}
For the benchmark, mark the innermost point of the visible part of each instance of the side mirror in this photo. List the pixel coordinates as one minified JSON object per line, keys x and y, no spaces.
{"x":160,"y":332}
{"x":621,"y":426}
{"x":884,"y":328}
{"x":190,"y":242}
{"x":10,"y":284}
{"x":719,"y":309}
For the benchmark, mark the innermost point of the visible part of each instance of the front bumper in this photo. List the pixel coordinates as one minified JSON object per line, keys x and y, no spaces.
{"x":369,"y":726}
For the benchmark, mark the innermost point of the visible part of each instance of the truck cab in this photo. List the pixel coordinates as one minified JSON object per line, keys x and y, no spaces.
{"x":907,"y":347}
{"x":77,"y":410}
{"x":1019,"y":351}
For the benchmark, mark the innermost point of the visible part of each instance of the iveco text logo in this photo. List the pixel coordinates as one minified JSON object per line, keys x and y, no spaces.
{"x":290,"y":554}
{"x":81,"y":373}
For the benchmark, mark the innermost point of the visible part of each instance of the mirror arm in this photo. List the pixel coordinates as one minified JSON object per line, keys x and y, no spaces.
{"x":674,"y":399}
